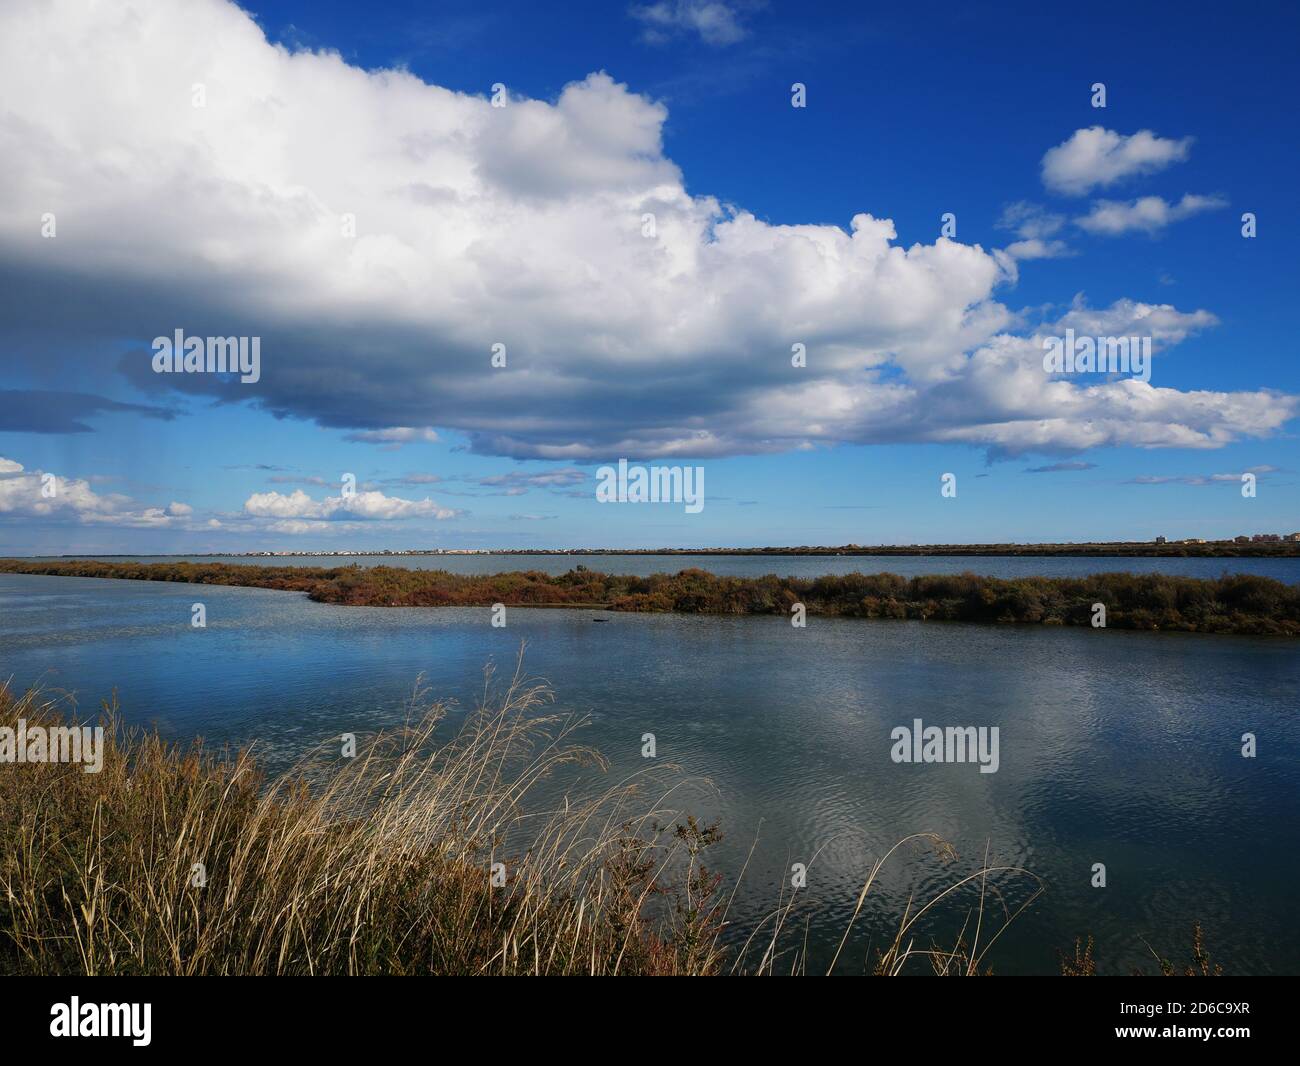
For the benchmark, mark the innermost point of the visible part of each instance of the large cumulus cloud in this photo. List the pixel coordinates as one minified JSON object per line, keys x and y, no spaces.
{"x":522,"y":225}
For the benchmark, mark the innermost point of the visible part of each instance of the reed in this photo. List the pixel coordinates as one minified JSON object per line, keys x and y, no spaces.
{"x":179,"y":860}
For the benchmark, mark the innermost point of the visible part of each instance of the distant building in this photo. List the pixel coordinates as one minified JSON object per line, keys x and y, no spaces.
{"x":1241,"y":540}
{"x":1160,"y":540}
{"x":1265,"y":538}
{"x":1294,"y":536}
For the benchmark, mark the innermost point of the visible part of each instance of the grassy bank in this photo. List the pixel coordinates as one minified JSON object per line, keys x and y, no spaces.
{"x":179,"y":860}
{"x":1236,"y":604}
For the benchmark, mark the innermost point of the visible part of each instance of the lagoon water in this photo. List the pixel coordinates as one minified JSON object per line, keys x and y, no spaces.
{"x":1115,"y":747}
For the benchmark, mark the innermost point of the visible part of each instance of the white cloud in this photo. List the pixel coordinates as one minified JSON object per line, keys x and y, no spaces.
{"x":396,"y":436}
{"x":1037,"y":248}
{"x":1035,"y":225}
{"x":714,"y":21}
{"x":28,"y":495}
{"x":1163,"y":323}
{"x":372,"y":505}
{"x":1150,"y":213}
{"x":1030,"y":221}
{"x":1007,"y":403}
{"x":520,"y":225}
{"x":1201,"y":479}
{"x":1097,"y":157}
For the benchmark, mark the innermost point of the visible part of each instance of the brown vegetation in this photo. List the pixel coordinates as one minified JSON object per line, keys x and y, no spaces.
{"x":1238,"y":603}
{"x":177,"y":860}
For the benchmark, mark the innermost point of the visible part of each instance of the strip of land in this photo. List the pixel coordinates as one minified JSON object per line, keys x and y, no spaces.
{"x":1272,"y":546}
{"x":1239,"y":603}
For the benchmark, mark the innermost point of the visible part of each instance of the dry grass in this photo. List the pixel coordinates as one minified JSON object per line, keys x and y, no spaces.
{"x":1084,"y":963}
{"x":380,"y":863}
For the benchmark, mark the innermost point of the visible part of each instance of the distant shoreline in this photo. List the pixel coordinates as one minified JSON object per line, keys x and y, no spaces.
{"x":1284,"y":549}
{"x":1240,"y":604}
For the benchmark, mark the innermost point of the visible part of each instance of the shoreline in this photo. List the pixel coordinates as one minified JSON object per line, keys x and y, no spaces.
{"x":1283,"y":549}
{"x":1237,"y":604}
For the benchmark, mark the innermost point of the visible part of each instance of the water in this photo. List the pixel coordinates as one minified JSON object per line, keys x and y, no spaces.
{"x":1003,"y":566}
{"x":1115,"y":747}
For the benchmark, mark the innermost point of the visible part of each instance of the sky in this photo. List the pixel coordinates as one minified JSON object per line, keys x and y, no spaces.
{"x":813,"y":253}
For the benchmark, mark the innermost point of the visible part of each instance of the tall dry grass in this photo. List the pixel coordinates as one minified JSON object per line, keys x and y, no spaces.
{"x":381,"y":863}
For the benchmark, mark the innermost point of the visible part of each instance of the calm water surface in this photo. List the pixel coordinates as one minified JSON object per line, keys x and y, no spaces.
{"x":1116,"y":747}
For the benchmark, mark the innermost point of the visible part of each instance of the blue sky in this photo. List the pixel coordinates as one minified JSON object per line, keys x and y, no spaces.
{"x":523,"y":225}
